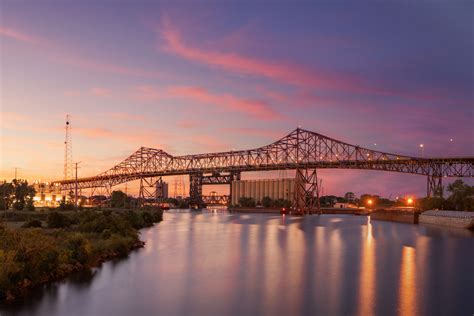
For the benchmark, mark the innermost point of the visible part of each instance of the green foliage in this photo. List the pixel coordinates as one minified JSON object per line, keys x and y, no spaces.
{"x":66,"y":206}
{"x":119,"y":199}
{"x":134,"y":219}
{"x":58,"y":220}
{"x":434,"y":203}
{"x":31,"y":256}
{"x":247,"y":202}
{"x":33,"y":223}
{"x":79,"y":248}
{"x":267,"y":201}
{"x":462,"y":196}
{"x":6,"y":195}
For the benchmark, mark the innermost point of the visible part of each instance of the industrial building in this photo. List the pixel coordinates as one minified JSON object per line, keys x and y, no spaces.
{"x":162,"y":190}
{"x":258,"y":189}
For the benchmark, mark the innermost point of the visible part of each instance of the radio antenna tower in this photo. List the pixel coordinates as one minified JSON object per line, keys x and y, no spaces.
{"x":68,"y":150}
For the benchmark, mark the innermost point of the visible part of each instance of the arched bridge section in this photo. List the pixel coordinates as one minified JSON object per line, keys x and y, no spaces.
{"x":301,"y":150}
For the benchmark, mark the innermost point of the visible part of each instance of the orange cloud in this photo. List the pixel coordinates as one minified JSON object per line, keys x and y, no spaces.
{"x":255,"y":108}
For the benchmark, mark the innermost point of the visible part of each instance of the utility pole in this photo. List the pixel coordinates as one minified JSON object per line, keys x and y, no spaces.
{"x":16,"y":172}
{"x":75,"y":189}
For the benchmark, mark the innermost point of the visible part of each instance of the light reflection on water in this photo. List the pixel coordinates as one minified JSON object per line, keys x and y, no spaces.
{"x":230,"y":264}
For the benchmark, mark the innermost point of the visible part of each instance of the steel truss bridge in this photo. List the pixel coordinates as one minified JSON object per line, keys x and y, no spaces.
{"x":301,"y":150}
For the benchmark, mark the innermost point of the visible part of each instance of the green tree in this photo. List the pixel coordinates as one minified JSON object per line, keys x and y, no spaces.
{"x":267,"y":201}
{"x":118,"y":199}
{"x":23,"y":194}
{"x":6,"y":195}
{"x":461,"y":195}
{"x":247,"y":202}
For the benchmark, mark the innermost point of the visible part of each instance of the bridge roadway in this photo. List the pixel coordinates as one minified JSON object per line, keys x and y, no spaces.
{"x":301,"y":150}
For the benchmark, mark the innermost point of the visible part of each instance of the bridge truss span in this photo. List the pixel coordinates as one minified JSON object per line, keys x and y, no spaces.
{"x":299,"y":150}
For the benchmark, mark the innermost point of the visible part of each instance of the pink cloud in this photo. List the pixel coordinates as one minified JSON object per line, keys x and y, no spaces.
{"x":99,"y":65}
{"x":255,"y":108}
{"x":254,"y":132}
{"x":147,"y":93}
{"x":284,"y":72}
{"x":20,"y":36}
{"x":101,"y":92}
{"x":188,"y":123}
{"x":58,"y":54}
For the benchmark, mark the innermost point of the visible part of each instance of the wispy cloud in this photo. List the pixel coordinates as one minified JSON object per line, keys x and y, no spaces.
{"x":256,"y":108}
{"x":62,"y":55}
{"x":281,"y":71}
{"x":101,"y":92}
{"x":21,"y":36}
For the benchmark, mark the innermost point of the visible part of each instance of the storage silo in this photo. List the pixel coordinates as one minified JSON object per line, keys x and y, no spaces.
{"x":285,"y":189}
{"x":247,"y":188}
{"x":235,"y":190}
{"x":291,"y":190}
{"x":253,"y":190}
{"x":276,"y":183}
{"x":241,"y":190}
{"x":265,"y":188}
{"x":281,"y":191}
{"x":257,"y":191}
{"x":262,"y":189}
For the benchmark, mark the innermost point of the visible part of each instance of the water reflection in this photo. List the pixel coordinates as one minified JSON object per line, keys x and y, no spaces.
{"x":367,"y":273}
{"x":230,"y":264}
{"x":407,"y":291}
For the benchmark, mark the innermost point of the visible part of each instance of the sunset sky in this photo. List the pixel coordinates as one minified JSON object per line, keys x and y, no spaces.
{"x":215,"y":76}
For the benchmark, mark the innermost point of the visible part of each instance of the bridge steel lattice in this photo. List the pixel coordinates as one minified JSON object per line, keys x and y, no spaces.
{"x":301,"y":150}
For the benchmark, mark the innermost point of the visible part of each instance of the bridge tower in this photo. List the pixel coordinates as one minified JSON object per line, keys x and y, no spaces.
{"x":434,"y":186}
{"x":195,"y":189}
{"x":148,"y":190}
{"x":306,"y":197}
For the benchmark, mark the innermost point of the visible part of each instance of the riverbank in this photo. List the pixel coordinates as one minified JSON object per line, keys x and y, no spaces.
{"x":273,"y":210}
{"x":31,"y":255}
{"x":394,"y":215}
{"x":448,"y":218}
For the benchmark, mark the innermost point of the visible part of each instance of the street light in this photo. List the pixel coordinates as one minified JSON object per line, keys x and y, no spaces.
{"x":422,"y":147}
{"x":370,"y":202}
{"x":409,"y":201}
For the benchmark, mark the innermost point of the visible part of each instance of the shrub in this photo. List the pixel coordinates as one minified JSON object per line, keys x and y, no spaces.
{"x":58,"y":220}
{"x":80,"y":248}
{"x":32,"y":223}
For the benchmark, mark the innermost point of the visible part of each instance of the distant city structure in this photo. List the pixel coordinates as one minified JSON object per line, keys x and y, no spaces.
{"x":47,"y":194}
{"x":161,"y":190}
{"x":258,"y":189}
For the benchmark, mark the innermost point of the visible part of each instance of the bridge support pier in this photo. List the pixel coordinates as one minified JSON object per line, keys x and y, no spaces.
{"x":148,"y":190}
{"x":434,"y":186}
{"x":195,"y":189}
{"x":306,"y":192}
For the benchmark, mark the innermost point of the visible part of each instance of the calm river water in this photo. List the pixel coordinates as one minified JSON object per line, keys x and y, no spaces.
{"x":206,"y":263}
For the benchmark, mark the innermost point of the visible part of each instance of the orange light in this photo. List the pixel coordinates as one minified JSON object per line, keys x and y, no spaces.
{"x":370,"y":202}
{"x":409,"y":201}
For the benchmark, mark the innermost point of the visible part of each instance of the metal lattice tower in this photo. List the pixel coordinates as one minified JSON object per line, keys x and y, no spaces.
{"x":179,"y":187}
{"x":68,"y":173}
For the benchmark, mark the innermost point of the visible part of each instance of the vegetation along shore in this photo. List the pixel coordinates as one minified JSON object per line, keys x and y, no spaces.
{"x":41,"y":247}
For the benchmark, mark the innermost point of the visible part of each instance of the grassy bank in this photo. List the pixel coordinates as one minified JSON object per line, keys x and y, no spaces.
{"x":51,"y":245}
